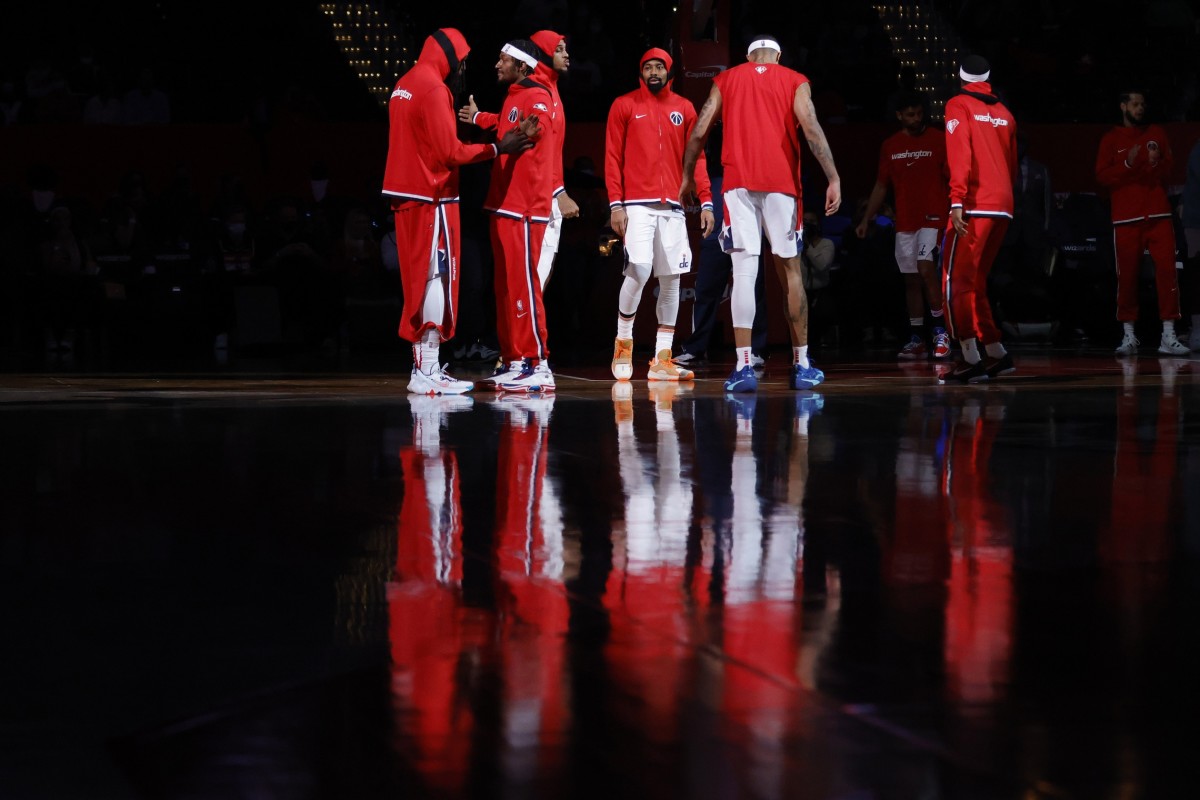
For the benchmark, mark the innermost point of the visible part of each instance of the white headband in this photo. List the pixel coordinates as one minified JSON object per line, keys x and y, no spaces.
{"x":520,"y":55}
{"x":969,"y":78}
{"x":758,"y":44}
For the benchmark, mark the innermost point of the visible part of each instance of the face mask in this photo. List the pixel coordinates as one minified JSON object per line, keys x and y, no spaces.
{"x":42,"y":200}
{"x":319,"y":188}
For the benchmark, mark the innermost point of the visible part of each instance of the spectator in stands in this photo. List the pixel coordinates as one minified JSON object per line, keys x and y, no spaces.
{"x":1190,"y":279}
{"x":66,"y":276}
{"x":146,"y":104}
{"x":1020,"y":280}
{"x":13,"y":107}
{"x":104,"y":106}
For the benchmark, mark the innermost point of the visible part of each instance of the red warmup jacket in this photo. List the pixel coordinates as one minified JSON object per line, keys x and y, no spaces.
{"x":647,"y":134}
{"x":1138,"y":189}
{"x":521,"y":181}
{"x":981,"y":149}
{"x":545,"y":74}
{"x":423,"y":148}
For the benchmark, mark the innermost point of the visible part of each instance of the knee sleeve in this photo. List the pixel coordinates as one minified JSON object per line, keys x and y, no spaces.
{"x":636,"y":276}
{"x":668,"y":299}
{"x":741,"y":298}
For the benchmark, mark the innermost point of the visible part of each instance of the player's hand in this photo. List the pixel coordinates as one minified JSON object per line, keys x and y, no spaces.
{"x":958,"y":221}
{"x":514,"y":142}
{"x":467,"y":113}
{"x":618,"y":220}
{"x":1153,"y":154}
{"x":531,"y":126}
{"x":833,"y":198}
{"x":708,"y":221}
{"x":1132,"y":155}
{"x":687,"y":190}
{"x":861,"y":229}
{"x":567,"y":207}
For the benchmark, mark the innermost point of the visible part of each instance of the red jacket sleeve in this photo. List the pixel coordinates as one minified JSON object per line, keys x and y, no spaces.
{"x":442,"y":124}
{"x":486,"y":120}
{"x":614,"y":152}
{"x":958,"y":150}
{"x":1111,"y":169}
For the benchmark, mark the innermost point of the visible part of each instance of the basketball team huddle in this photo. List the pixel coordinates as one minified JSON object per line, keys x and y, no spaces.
{"x":953,"y":192}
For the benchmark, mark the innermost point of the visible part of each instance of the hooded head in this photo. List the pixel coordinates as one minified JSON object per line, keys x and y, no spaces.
{"x":656,"y":79}
{"x":446,"y":51}
{"x":550,"y":65}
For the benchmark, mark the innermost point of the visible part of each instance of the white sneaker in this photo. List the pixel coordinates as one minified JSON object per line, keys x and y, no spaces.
{"x":1128,"y":346}
{"x":503,"y":373}
{"x":529,"y":379}
{"x":757,"y":361}
{"x":439,"y":382}
{"x":1171,"y":346}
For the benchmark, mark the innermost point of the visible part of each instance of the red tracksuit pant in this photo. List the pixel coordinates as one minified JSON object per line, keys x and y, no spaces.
{"x":1130,"y":240}
{"x":520,"y":315}
{"x":417,"y":226}
{"x":966,"y":262}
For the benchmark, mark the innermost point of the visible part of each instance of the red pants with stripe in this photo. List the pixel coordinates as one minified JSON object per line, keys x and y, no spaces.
{"x":520,"y":315}
{"x":417,"y":226}
{"x":966,"y":263}
{"x":1130,"y":240}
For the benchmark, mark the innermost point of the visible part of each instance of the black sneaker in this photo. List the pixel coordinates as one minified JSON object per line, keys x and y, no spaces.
{"x":965,"y":373}
{"x":999,"y":366}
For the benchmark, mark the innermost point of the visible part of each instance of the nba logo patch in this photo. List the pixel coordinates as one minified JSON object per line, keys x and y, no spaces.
{"x":760,"y":69}
{"x":512,"y":114}
{"x":676,"y":118}
{"x":951,"y":124}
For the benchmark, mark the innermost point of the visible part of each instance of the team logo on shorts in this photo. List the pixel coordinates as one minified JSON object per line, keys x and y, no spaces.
{"x":676,"y":118}
{"x":512,"y":114}
{"x":951,"y":124}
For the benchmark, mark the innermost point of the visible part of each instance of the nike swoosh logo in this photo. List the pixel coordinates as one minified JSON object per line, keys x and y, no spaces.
{"x":910,"y":163}
{"x":526,"y":314}
{"x":1122,"y":150}
{"x":638,"y":116}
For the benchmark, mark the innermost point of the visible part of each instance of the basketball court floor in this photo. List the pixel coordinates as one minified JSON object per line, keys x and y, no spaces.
{"x":274,"y":581}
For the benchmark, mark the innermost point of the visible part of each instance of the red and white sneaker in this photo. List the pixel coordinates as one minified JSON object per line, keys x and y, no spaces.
{"x":438,"y":382}
{"x":941,"y":345}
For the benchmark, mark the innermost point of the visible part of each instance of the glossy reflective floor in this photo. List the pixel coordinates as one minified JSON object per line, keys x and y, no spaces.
{"x":304,"y":584}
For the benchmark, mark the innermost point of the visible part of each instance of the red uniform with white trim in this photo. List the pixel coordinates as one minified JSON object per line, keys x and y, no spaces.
{"x":519,"y":199}
{"x":644,"y":143}
{"x":421,"y":178}
{"x":981,"y":149}
{"x":761,"y":149}
{"x":916,"y":168}
{"x":1141,"y":214}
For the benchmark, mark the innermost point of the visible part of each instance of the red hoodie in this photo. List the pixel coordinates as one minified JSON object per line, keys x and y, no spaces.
{"x":647,"y":134}
{"x":981,"y":149}
{"x":545,"y":74}
{"x":1138,"y":189}
{"x":521,"y":181}
{"x":424,"y":152}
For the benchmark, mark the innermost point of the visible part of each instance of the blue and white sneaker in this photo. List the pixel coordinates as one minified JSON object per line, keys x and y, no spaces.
{"x":742,"y":379}
{"x":804,"y":377}
{"x":529,"y":379}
